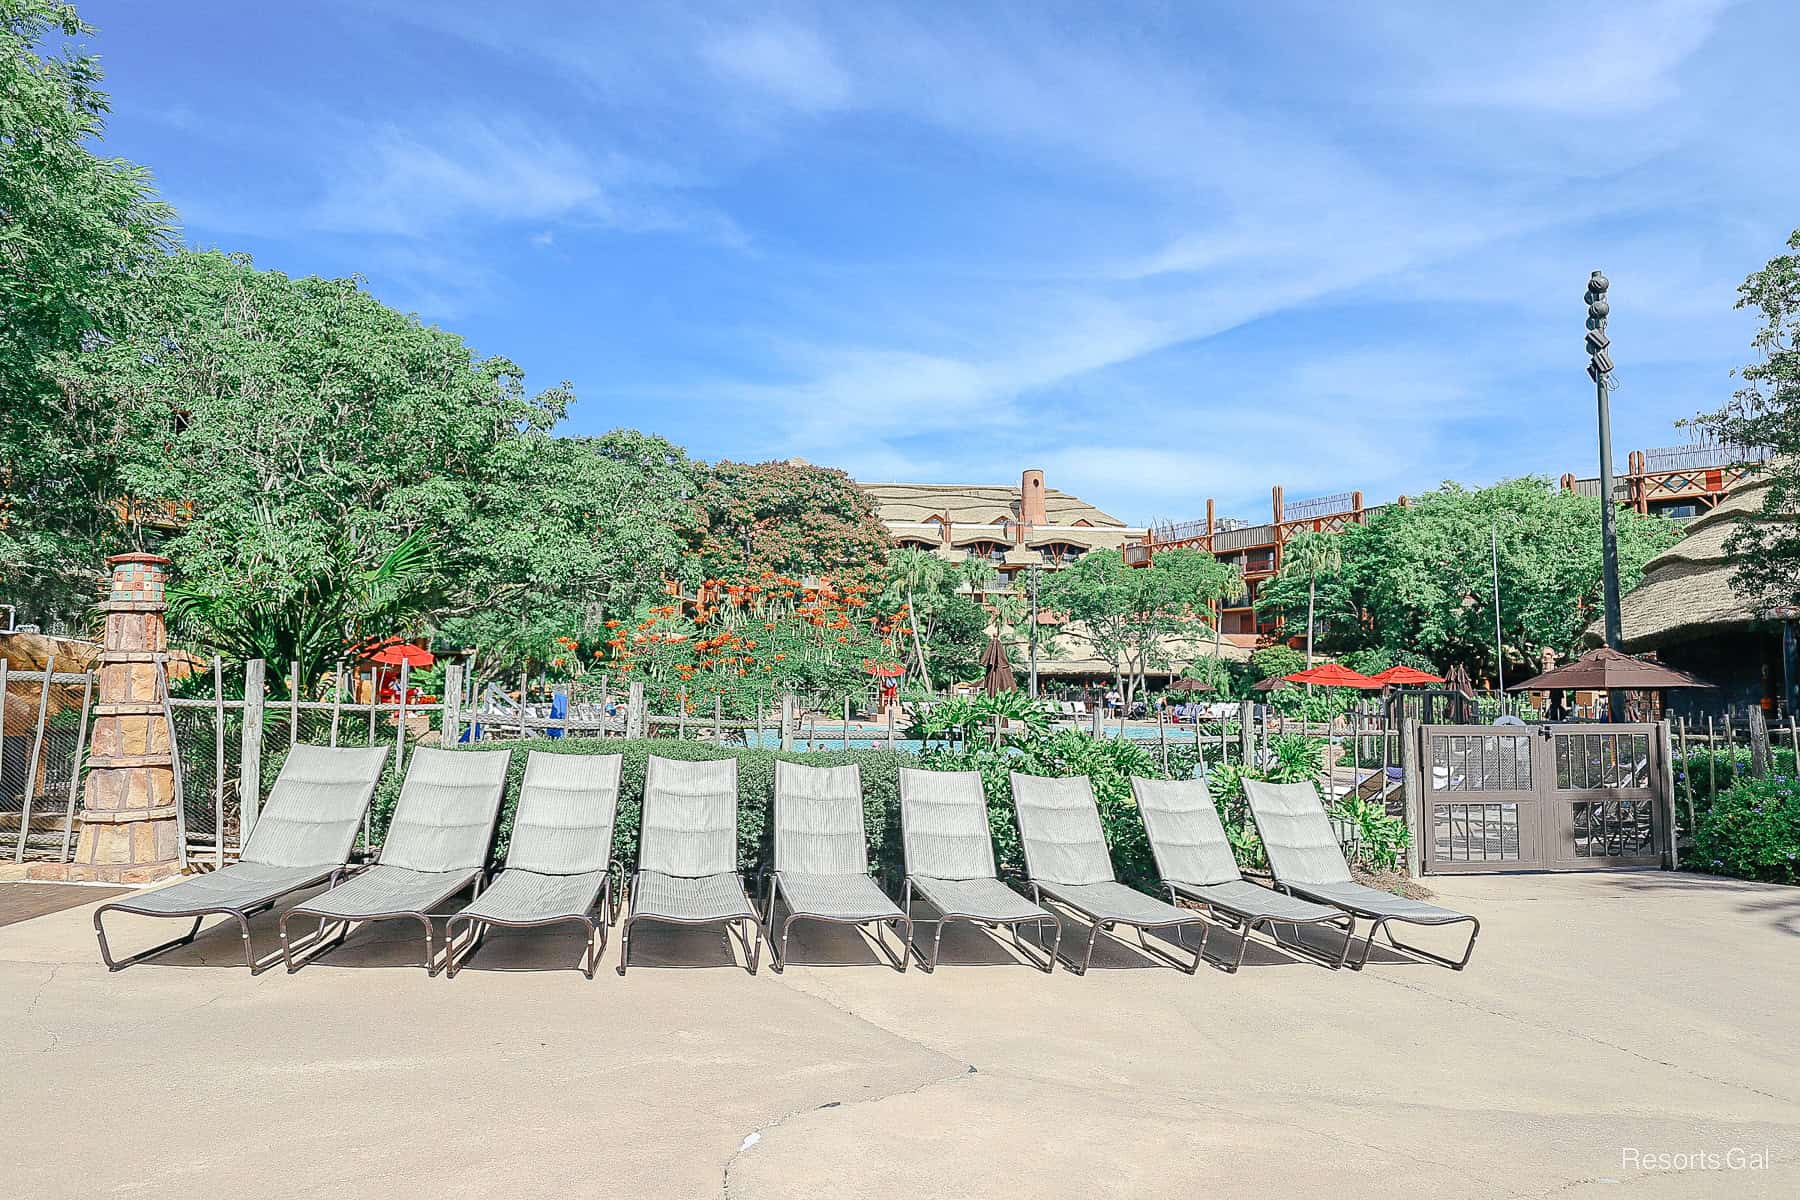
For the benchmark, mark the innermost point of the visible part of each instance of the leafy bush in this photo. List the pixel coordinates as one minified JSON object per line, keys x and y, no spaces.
{"x":1699,"y":770}
{"x":1109,"y":764}
{"x":756,"y":792}
{"x":1277,"y":660}
{"x":1752,"y":831}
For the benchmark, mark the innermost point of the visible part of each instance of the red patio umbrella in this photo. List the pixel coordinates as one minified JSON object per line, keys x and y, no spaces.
{"x":1403,"y":676}
{"x":1334,"y":675}
{"x":403,"y":654}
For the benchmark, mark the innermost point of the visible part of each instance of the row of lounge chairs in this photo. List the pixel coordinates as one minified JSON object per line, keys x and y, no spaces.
{"x":559,"y":866}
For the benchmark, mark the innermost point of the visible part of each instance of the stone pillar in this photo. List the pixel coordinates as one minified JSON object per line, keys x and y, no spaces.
{"x":129,"y":831}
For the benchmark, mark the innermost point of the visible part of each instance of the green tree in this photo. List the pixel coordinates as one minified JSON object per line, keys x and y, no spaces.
{"x":790,"y":518}
{"x":1138,"y":618}
{"x":1765,"y":412}
{"x":916,"y":579}
{"x":77,"y":230}
{"x":307,"y":431}
{"x":1308,"y":557}
{"x":572,"y":532}
{"x":1419,"y":577}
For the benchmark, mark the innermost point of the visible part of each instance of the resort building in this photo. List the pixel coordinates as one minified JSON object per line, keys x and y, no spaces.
{"x":1014,"y":528}
{"x":1681,"y":483}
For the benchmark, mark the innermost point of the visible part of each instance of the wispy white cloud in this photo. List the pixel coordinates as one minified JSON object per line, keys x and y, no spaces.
{"x":791,"y":63}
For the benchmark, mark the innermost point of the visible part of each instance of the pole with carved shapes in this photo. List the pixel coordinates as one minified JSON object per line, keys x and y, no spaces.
{"x":1600,"y":367}
{"x":129,"y":831}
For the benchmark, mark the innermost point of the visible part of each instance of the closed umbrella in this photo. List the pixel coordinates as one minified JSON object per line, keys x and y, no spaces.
{"x":996,"y":669}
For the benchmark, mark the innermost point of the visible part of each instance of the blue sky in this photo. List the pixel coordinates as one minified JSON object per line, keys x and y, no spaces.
{"x":1164,"y":251}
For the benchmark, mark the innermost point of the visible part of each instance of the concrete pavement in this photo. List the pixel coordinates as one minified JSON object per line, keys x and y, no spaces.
{"x":1604,"y":1016}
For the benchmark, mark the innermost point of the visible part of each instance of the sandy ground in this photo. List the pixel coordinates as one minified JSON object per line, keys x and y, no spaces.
{"x":1604,"y":1016}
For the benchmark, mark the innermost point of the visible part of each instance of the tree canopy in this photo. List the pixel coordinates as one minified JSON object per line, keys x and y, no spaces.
{"x":1765,"y":411}
{"x":790,"y":518}
{"x":1137,"y":619}
{"x":77,"y":230}
{"x":1419,"y":578}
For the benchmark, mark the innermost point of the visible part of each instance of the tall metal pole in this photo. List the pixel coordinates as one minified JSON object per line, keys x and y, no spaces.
{"x":1600,"y":367}
{"x":1032,"y":617}
{"x":1499,"y":645}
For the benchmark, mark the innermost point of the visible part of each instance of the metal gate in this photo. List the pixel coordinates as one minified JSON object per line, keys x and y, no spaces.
{"x":1542,"y":797}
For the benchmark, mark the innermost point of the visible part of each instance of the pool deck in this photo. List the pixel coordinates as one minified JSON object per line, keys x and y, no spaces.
{"x":1603,"y":1014}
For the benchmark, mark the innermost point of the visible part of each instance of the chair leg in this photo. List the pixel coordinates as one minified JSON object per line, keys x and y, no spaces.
{"x":624,"y":943}
{"x":595,"y":941}
{"x":453,"y":964}
{"x":1455,"y":964}
{"x":431,"y":967}
{"x":753,"y":944}
{"x":106,"y":952}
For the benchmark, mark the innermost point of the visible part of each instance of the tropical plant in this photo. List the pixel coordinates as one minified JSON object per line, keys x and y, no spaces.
{"x":317,"y":624}
{"x":1307,"y":557}
{"x":913,"y":576}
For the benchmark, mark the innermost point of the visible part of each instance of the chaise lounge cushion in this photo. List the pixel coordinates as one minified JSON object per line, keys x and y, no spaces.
{"x":524,"y":897}
{"x":695,"y":899}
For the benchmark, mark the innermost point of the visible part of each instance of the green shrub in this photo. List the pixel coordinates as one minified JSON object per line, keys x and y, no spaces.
{"x":1695,"y":775}
{"x":1109,"y":764}
{"x":1752,"y":831}
{"x":756,"y":792}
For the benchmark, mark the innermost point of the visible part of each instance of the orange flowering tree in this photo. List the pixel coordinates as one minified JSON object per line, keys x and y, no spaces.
{"x":747,"y":642}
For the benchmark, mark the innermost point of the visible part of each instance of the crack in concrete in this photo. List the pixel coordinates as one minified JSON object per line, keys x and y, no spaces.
{"x":1589,"y":1038}
{"x":755,"y":1136}
{"x":31,"y":1009}
{"x":823,"y":995}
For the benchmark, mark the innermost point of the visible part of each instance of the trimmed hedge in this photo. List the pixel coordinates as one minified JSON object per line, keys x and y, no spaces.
{"x":1107,"y":763}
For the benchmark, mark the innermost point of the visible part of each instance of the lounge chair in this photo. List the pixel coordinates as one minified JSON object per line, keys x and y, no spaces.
{"x":687,"y":870}
{"x":822,"y":859}
{"x":949,"y":852}
{"x":1194,"y":858}
{"x":303,"y":839}
{"x":559,"y":860}
{"x":1067,"y":860}
{"x":436,"y":845}
{"x":1307,"y":861}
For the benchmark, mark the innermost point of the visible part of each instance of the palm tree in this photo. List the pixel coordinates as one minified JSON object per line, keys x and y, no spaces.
{"x":913,"y":573}
{"x":1312,"y":555}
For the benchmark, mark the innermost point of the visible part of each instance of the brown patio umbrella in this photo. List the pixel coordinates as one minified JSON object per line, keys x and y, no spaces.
{"x":1607,"y":670}
{"x":1461,"y":709}
{"x":996,"y":669}
{"x":1273,"y":683}
{"x":1187,"y":683}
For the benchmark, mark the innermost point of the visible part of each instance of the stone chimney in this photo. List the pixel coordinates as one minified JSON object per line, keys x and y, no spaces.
{"x":1031,"y":498}
{"x":129,"y":829}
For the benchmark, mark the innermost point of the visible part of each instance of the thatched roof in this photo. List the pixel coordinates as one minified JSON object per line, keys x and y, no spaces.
{"x":1068,"y":656}
{"x":980,"y":512}
{"x":1686,"y":590}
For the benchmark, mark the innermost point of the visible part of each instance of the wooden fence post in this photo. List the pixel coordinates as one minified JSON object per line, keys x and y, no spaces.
{"x":1412,"y":788}
{"x":451,"y":732}
{"x":1666,"y":745}
{"x":1246,"y":732}
{"x":37,"y":752}
{"x":87,"y":696}
{"x":218,"y":674}
{"x":1759,"y":744}
{"x":294,"y":704}
{"x":787,"y":721}
{"x":250,"y":752}
{"x":400,"y":720}
{"x":634,"y":710}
